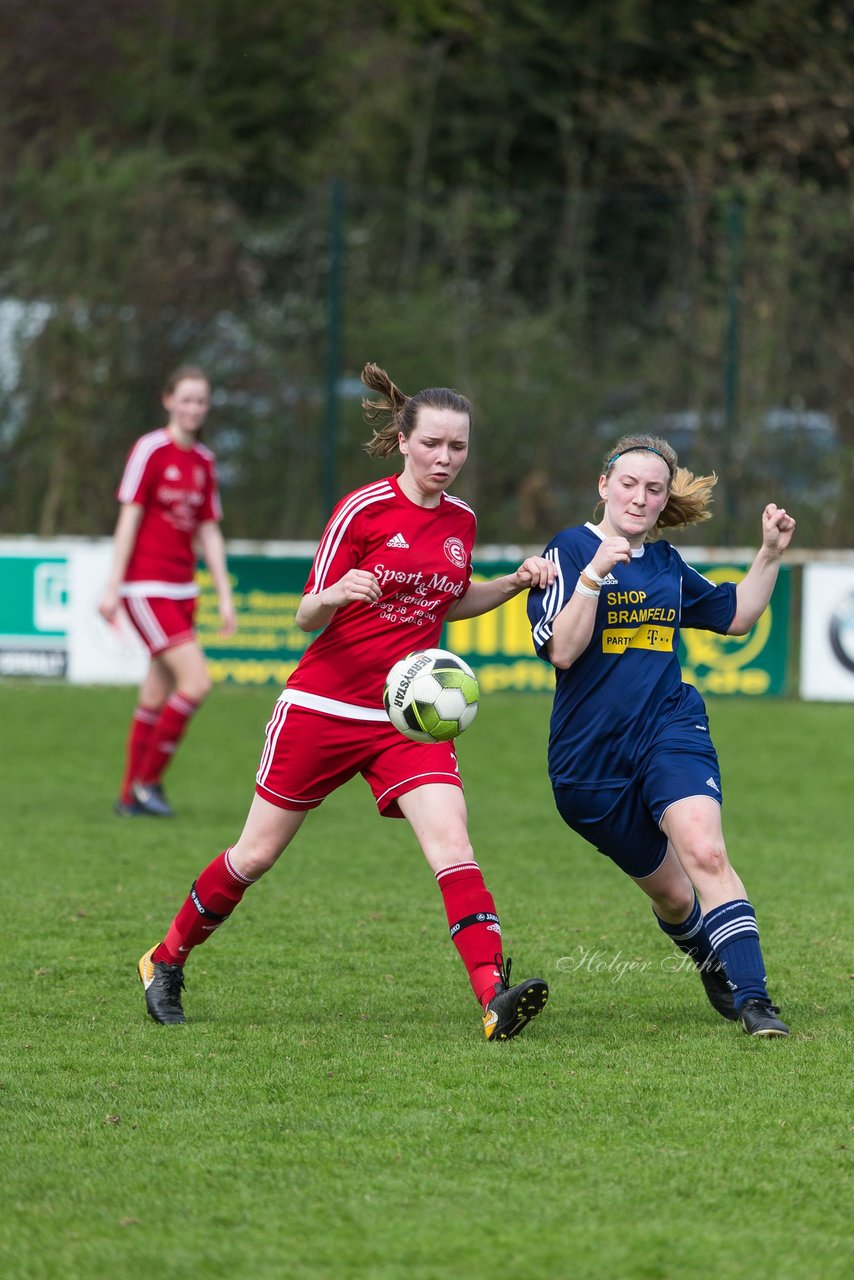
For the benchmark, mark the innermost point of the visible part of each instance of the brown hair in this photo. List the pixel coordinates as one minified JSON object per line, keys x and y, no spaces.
{"x":690,"y":495}
{"x":184,"y":371}
{"x":399,"y":411}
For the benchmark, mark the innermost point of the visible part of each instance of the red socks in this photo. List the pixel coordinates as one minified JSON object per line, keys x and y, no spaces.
{"x":468,"y":903}
{"x":474,"y":925}
{"x":138,"y":743}
{"x":167,"y":733}
{"x":211,"y":901}
{"x":153,"y":740}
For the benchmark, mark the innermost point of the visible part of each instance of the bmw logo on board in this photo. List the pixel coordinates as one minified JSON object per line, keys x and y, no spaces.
{"x":841,"y":632}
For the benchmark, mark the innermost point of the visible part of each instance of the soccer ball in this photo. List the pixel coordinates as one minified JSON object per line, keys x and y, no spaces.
{"x":431,"y":695}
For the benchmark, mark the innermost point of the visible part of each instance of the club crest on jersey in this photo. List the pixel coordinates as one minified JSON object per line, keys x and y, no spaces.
{"x":199,"y":473}
{"x":456,"y":552}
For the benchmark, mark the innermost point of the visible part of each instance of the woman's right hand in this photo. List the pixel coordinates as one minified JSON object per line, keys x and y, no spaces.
{"x":357,"y":584}
{"x":109,"y":605}
{"x":612,"y":551}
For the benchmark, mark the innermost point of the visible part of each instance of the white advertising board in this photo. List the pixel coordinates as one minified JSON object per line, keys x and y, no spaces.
{"x":827,"y":633}
{"x":99,"y":653}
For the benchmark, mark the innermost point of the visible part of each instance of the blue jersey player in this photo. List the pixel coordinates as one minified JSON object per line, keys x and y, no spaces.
{"x":632,"y":764}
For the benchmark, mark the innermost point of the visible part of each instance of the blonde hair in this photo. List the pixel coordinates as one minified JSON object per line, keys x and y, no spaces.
{"x":398,"y":412}
{"x":690,"y":496}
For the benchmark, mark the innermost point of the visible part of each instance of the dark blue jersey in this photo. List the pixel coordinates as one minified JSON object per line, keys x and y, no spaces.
{"x":627,"y":685}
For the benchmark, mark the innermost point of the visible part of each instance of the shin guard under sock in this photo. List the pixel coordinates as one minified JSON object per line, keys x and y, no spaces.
{"x":209,"y":903}
{"x":138,"y":745}
{"x":474,"y":925}
{"x":691,"y":937}
{"x":734,"y":935}
{"x":166,"y":737}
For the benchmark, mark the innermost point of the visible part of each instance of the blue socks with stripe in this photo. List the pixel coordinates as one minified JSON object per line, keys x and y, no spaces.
{"x":732,"y":931}
{"x":729,"y":935}
{"x":691,"y":937}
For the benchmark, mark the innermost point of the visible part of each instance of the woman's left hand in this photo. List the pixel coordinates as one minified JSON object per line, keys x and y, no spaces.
{"x":777,"y":528}
{"x":535,"y":572}
{"x":227,"y":619}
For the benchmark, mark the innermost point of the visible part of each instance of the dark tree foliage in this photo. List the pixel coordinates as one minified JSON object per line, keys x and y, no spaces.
{"x":586,"y":215}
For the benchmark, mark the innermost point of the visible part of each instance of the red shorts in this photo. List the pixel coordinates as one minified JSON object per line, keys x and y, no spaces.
{"x":162,"y":623}
{"x":308,"y":755}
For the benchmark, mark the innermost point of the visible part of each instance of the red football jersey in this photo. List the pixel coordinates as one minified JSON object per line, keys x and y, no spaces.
{"x":421,"y":557}
{"x":178,"y":489}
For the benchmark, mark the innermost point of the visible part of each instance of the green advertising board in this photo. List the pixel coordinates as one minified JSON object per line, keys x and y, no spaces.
{"x":754,"y":664}
{"x":33,"y":597}
{"x":268,"y":643}
{"x":33,"y":614}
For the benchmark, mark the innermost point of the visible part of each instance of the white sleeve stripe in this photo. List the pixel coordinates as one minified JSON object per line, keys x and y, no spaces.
{"x":554,"y":600}
{"x":216,"y":504}
{"x":697,"y":574}
{"x":458,"y":502}
{"x":331,"y":540}
{"x":136,"y":463}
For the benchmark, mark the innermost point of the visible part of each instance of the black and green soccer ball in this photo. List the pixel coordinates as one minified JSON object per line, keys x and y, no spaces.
{"x":431,"y":695}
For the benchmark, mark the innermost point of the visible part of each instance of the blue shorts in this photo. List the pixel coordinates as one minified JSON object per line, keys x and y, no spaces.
{"x":621,"y":816}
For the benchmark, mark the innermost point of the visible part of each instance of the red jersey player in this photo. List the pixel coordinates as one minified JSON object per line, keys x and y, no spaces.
{"x":393,"y":563}
{"x":169,"y":502}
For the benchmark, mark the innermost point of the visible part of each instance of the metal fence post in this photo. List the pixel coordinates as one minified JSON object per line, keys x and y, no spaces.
{"x":333,"y":344}
{"x":732,"y":358}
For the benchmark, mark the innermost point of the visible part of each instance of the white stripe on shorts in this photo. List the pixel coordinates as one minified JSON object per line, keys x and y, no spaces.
{"x":141,"y":612}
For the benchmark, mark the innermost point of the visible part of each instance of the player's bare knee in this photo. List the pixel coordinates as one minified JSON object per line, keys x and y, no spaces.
{"x":710,"y":860}
{"x":256,"y":852}
{"x":254,"y":860}
{"x":198,"y":689}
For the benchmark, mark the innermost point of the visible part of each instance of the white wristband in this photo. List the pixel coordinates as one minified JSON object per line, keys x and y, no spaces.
{"x":590,"y":572}
{"x":584,"y":590}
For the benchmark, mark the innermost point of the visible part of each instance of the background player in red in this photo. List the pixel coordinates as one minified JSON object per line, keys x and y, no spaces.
{"x":393,"y":563}
{"x":169,"y":508}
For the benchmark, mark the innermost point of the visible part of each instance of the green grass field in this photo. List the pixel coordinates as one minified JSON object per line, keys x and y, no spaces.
{"x":331,"y":1111}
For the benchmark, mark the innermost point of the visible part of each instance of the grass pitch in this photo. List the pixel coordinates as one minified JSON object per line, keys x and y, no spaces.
{"x":332,"y":1110}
